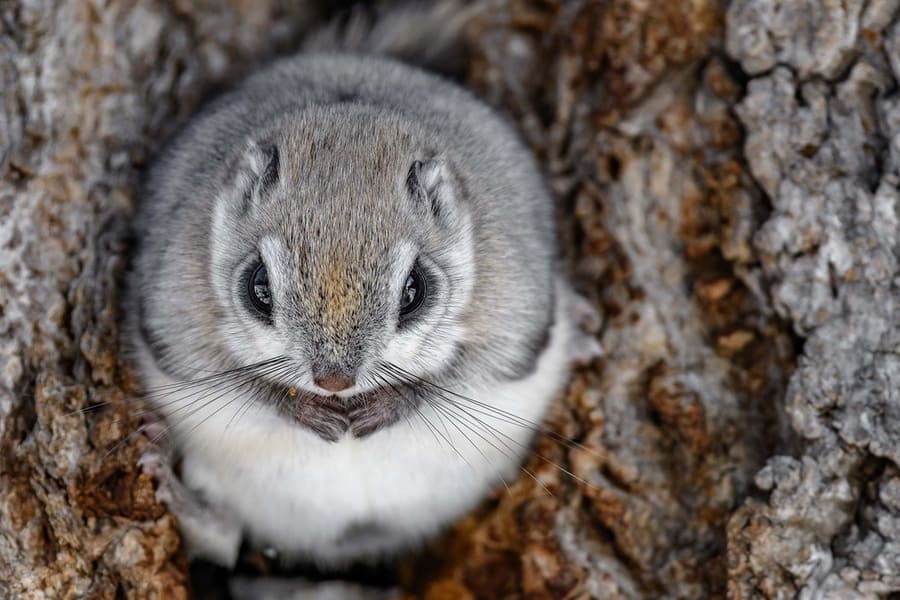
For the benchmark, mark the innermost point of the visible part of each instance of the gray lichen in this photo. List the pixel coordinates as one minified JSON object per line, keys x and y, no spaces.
{"x":823,"y":134}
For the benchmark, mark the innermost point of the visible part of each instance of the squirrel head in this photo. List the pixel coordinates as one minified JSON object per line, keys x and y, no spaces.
{"x":343,"y":241}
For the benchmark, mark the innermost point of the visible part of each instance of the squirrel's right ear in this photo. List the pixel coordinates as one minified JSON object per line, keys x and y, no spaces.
{"x":254,"y":176}
{"x":432,"y":187}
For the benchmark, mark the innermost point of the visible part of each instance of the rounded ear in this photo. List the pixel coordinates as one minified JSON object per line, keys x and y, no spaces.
{"x":255,"y":174}
{"x":431,"y":185}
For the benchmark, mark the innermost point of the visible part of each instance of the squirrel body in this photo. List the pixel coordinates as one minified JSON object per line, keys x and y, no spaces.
{"x":347,"y":308}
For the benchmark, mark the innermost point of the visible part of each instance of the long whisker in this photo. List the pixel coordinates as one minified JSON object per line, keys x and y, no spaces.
{"x":431,"y":428}
{"x":177,"y":386}
{"x":248,"y":374}
{"x":466,"y":423}
{"x":233,"y":375}
{"x":453,"y":399}
{"x":494,"y":411}
{"x":454,"y":421}
{"x":477,"y":448}
{"x":446,"y":435}
{"x":412,"y":404}
{"x":498,"y":432}
{"x":381,"y":380}
{"x":276,"y":370}
{"x":252,"y":397}
{"x":215,"y":375}
{"x":238,"y":377}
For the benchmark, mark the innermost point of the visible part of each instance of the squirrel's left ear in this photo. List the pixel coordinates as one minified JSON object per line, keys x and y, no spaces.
{"x":432,"y":187}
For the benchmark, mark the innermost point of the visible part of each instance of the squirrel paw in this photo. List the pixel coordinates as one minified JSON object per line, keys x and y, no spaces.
{"x":207,"y":532}
{"x":583,"y":345}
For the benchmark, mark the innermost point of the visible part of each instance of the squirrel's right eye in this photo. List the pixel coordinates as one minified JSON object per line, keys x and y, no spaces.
{"x":413,"y":293}
{"x":258,"y":290}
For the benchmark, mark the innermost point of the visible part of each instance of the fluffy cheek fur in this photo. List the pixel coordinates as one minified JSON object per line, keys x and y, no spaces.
{"x":247,"y":338}
{"x":427,"y":345}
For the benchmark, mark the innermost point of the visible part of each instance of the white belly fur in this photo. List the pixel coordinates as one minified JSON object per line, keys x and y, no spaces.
{"x":294,"y":492}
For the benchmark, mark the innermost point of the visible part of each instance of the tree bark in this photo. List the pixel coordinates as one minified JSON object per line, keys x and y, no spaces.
{"x":726,"y":177}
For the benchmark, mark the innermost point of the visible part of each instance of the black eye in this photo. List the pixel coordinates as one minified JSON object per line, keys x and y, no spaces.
{"x":258,"y":290}
{"x":413,"y":293}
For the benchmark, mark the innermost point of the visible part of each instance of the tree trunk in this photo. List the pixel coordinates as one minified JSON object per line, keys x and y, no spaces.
{"x":726,"y":178}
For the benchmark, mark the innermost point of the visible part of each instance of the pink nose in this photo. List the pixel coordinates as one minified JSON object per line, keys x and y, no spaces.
{"x":335,"y":383}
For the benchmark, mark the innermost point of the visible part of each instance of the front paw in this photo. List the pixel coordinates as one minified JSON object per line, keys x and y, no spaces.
{"x":207,"y":532}
{"x":327,"y":417}
{"x":583,"y":346}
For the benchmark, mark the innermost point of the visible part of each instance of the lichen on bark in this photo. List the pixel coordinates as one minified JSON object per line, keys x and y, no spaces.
{"x":823,"y":140}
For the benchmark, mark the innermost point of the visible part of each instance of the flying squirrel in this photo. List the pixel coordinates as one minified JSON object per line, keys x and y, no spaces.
{"x":346,"y":301}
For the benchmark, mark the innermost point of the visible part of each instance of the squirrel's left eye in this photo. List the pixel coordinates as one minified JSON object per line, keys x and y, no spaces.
{"x":258,"y":290}
{"x":413,"y":293}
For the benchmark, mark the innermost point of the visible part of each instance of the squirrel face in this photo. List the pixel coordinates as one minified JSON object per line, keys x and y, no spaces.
{"x":343,"y":244}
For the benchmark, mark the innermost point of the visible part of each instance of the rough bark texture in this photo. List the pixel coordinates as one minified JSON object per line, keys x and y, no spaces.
{"x":822,"y":116}
{"x":727,"y":182}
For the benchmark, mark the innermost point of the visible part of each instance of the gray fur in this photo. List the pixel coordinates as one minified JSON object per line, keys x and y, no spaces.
{"x":339,"y":169}
{"x":341,"y":162}
{"x":426,"y":34}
